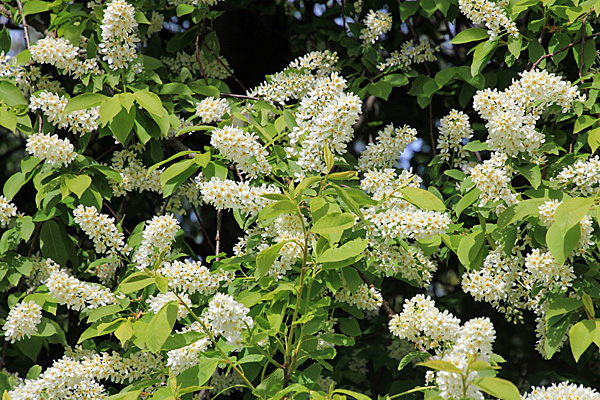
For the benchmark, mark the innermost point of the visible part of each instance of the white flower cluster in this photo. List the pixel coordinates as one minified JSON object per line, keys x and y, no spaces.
{"x":511,"y":115}
{"x":211,"y":109}
{"x":325,"y":118}
{"x":474,"y":342}
{"x":213,"y":68}
{"x":134,"y":174}
{"x":411,"y":264}
{"x":410,"y":53}
{"x":63,"y":55}
{"x":158,"y":236}
{"x":298,"y":78}
{"x":155,"y":303}
{"x":492,"y":178}
{"x":564,"y":390}
{"x":187,"y":193}
{"x":194,"y":2}
{"x":584,"y":176}
{"x":7,"y":211}
{"x":548,"y":272}
{"x":390,"y":144}
{"x":191,"y":277}
{"x":156,"y":24}
{"x":172,"y":132}
{"x":406,"y":222}
{"x":118,"y":38}
{"x":454,"y":128}
{"x":365,"y":297}
{"x":286,"y":228}
{"x":423,"y":324}
{"x":188,"y":356}
{"x":497,"y":283}
{"x":233,"y":195}
{"x":225,"y":383}
{"x":376,"y":23}
{"x":490,"y":14}
{"x":76,"y":294}
{"x":384,"y":184}
{"x":101,"y":229}
{"x":22,"y":321}
{"x":243,"y":148}
{"x":547,"y":211}
{"x":51,"y":148}
{"x":229,"y":318}
{"x":53,"y":106}
{"x":76,"y":375}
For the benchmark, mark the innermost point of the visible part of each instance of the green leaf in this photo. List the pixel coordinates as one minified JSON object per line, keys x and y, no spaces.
{"x":150,"y":102}
{"x":132,"y":395}
{"x":422,"y":199}
{"x":563,"y":236}
{"x":381,"y":89}
{"x":581,"y":337}
{"x":350,"y":249}
{"x":35,"y":7}
{"x":333,"y":223}
{"x":514,"y":45}
{"x":465,"y":201}
{"x":396,"y":80}
{"x":562,"y":305}
{"x":356,"y":395}
{"x":136,"y":281}
{"x":277,"y":208}
{"x":78,"y":184}
{"x":350,"y":327}
{"x":558,"y":40}
{"x":5,"y":42}
{"x":470,"y":35}
{"x":594,"y":139}
{"x":122,"y":124}
{"x":476,"y":145}
{"x":266,"y":258}
{"x":519,"y":211}
{"x":124,"y":332}
{"x":440,"y":365}
{"x":8,"y":119}
{"x":483,"y":53}
{"x":84,"y":101}
{"x":500,"y":388}
{"x":470,"y":247}
{"x":161,"y":325}
{"x":532,"y":173}
{"x":199,"y":374}
{"x":583,"y":122}
{"x":177,"y":174}
{"x":407,"y":9}
{"x":109,"y":109}
{"x":329,"y":159}
{"x":407,"y":359}
{"x":55,"y":243}
{"x":25,"y":226}
{"x":11,"y":94}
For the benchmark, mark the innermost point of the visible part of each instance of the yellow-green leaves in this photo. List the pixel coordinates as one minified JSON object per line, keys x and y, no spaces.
{"x":564,"y":234}
{"x":160,"y":326}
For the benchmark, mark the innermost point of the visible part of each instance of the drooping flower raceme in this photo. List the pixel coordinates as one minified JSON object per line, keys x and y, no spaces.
{"x":76,"y":294}
{"x":101,"y":229}
{"x":376,"y":23}
{"x":229,"y":318}
{"x":53,"y":106}
{"x":490,"y":14}
{"x":192,"y":277}
{"x":7,"y":211}
{"x":155,"y":303}
{"x":51,"y":149}
{"x":492,"y":179}
{"x":63,"y":55}
{"x":134,"y":175}
{"x":390,"y":144}
{"x":583,"y":177}
{"x":564,"y":390}
{"x":158,"y":236}
{"x":118,"y":40}
{"x":454,"y":128}
{"x":511,"y":115}
{"x":211,"y":109}
{"x":548,"y":272}
{"x":365,"y":297}
{"x":410,"y":53}
{"x":22,"y":321}
{"x":243,"y":148}
{"x":547,"y":211}
{"x":233,"y":195}
{"x":188,"y":356}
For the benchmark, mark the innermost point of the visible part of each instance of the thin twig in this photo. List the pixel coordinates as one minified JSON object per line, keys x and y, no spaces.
{"x":433,"y":143}
{"x":224,"y":66}
{"x":116,"y":216}
{"x":210,"y":242}
{"x":4,"y":347}
{"x":239,"y":96}
{"x":101,"y":156}
{"x":582,"y":45}
{"x":385,"y":304}
{"x":25,"y":26}
{"x":198,"y":54}
{"x":218,"y":235}
{"x":535,"y":64}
